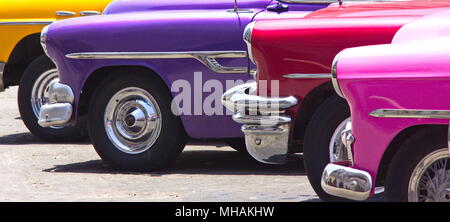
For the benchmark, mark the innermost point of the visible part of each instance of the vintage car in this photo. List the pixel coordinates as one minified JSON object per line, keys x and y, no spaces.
{"x":122,"y":70}
{"x":398,"y":134}
{"x":292,"y":107}
{"x":24,"y":63}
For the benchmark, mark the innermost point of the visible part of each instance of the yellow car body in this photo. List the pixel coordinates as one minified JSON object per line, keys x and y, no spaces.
{"x":21,"y":21}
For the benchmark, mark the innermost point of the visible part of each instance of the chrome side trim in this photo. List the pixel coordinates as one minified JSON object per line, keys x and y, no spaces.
{"x":2,"y":84}
{"x":89,"y":13}
{"x":44,"y":22}
{"x":411,"y":113}
{"x":207,"y":58}
{"x":65,"y":13}
{"x":346,"y":182}
{"x":238,"y":10}
{"x":308,"y":76}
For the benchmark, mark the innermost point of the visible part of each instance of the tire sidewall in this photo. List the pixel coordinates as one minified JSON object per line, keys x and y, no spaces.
{"x":319,"y":132}
{"x":405,"y":161}
{"x":67,"y":134}
{"x":167,"y":146}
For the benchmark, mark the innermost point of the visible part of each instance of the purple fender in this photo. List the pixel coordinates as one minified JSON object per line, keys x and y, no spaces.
{"x":393,"y":87}
{"x":141,"y":26}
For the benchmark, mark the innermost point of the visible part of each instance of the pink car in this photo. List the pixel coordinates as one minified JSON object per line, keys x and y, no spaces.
{"x":397,"y":140}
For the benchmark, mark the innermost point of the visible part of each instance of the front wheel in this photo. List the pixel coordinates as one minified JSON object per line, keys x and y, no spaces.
{"x":33,"y":94}
{"x":322,"y":143}
{"x":420,"y":171}
{"x":131,"y":123}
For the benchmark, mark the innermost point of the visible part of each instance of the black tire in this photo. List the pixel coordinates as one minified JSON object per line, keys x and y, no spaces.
{"x":168,"y":145}
{"x":318,"y":135}
{"x":410,"y":153}
{"x":67,"y":134}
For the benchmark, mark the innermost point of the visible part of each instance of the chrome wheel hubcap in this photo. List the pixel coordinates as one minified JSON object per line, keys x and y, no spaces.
{"x":39,"y":92}
{"x":430,"y":180}
{"x":337,"y":150}
{"x":132,"y":120}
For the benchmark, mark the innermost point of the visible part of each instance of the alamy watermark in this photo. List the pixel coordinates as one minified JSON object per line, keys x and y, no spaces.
{"x":205,"y":97}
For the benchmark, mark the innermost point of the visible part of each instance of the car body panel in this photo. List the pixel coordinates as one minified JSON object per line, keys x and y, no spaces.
{"x":20,"y":18}
{"x":309,"y":45}
{"x":405,"y":75}
{"x":163,"y":30}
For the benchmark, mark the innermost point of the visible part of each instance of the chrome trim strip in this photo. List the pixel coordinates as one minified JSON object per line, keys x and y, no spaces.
{"x":334,"y":79}
{"x":411,"y":113}
{"x":248,"y":32}
{"x":308,"y":76}
{"x":207,"y":58}
{"x":89,"y":13}
{"x":47,"y":22}
{"x":65,"y":13}
{"x":2,"y":84}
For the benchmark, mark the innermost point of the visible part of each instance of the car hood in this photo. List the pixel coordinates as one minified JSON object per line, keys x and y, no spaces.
{"x":124,"y":6}
{"x":433,"y":29}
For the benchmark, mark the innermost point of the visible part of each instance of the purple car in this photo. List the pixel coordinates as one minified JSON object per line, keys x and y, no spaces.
{"x":142,"y":74}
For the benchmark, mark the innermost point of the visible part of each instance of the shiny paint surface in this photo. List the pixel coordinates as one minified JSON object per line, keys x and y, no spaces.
{"x":23,"y":11}
{"x":411,"y":73}
{"x":309,"y":45}
{"x":169,"y":26}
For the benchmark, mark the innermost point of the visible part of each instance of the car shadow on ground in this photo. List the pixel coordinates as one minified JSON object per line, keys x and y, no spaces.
{"x":210,"y":162}
{"x":30,"y":139}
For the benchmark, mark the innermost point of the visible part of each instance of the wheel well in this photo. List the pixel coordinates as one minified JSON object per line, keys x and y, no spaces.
{"x":102,"y":74}
{"x":308,"y":107}
{"x":397,"y":142}
{"x":27,"y":50}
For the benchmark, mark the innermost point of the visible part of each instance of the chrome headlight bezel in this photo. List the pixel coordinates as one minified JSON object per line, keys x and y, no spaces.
{"x":43,"y":39}
{"x":248,"y":32}
{"x":334,"y":79}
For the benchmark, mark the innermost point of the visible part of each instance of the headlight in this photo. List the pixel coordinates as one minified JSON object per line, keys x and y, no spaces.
{"x":44,"y":38}
{"x":248,"y":39}
{"x":334,"y":76}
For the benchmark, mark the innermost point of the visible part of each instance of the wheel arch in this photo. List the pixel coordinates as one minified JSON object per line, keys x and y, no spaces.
{"x":25,"y":52}
{"x":395,"y":144}
{"x":102,"y":74}
{"x":309,"y":105}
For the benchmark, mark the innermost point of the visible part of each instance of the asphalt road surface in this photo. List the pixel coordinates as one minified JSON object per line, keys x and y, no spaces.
{"x":33,"y":170}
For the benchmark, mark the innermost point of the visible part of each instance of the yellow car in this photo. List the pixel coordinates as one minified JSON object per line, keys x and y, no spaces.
{"x":23,"y":61}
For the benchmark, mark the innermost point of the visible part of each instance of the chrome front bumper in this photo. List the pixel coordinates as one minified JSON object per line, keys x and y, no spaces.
{"x":265,"y":125}
{"x":2,"y":82}
{"x":58,"y":111}
{"x":345,"y":181}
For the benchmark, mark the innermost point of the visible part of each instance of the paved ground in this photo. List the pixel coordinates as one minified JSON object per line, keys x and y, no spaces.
{"x":32,"y":170}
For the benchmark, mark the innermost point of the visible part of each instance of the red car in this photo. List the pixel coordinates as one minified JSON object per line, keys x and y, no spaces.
{"x":295,"y":108}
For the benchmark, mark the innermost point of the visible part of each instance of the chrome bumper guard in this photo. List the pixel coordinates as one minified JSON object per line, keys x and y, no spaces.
{"x":266,"y":128}
{"x":346,"y":182}
{"x":59,"y":110}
